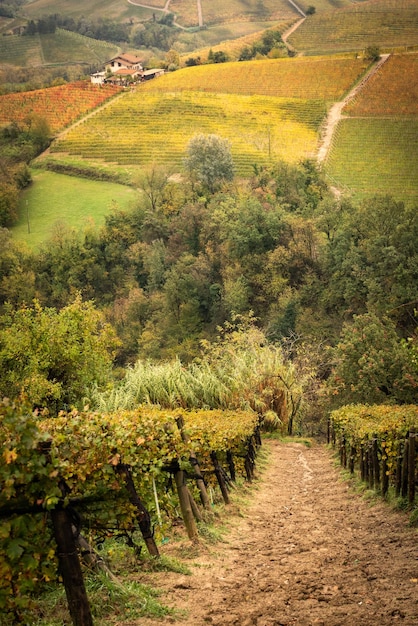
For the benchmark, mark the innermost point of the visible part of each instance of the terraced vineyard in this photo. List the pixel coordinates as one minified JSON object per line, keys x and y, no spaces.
{"x":218,"y":11}
{"x":373,"y":156}
{"x":267,"y":109}
{"x":322,"y":78}
{"x":375,"y":150}
{"x":235,"y":41}
{"x":60,"y":105}
{"x":324,"y":5}
{"x":21,"y":51}
{"x":62,"y":47}
{"x":385,"y":23}
{"x":391,"y":91}
{"x":144,"y":128}
{"x":97,"y":9}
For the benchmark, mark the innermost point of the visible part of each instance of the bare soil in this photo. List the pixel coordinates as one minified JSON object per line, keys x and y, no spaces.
{"x":307,"y":549}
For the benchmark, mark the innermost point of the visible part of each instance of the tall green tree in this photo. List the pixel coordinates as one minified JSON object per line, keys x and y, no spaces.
{"x":52,"y":357}
{"x":209,"y":161}
{"x":371,"y":364}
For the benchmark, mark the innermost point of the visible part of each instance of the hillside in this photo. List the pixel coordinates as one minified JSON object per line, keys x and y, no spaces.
{"x":268,"y":110}
{"x":63,"y":47}
{"x":385,"y":23}
{"x":374,"y":149}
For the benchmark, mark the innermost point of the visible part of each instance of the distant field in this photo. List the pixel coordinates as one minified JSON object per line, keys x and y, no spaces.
{"x":324,"y":5}
{"x":385,"y":23}
{"x":324,"y":78}
{"x":231,"y":39}
{"x":218,"y":11}
{"x":94,"y":9}
{"x":63,"y":47}
{"x":391,"y":91}
{"x":60,"y":105}
{"x":142,"y":128}
{"x":376,"y":156}
{"x":214,"y":11}
{"x":55,"y":198}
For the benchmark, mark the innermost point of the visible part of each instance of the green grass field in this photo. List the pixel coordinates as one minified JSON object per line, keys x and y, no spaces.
{"x":55,"y":199}
{"x":375,"y":156}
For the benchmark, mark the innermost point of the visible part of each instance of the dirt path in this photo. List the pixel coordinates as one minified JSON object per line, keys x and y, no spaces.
{"x":307,"y":550}
{"x":335,"y":112}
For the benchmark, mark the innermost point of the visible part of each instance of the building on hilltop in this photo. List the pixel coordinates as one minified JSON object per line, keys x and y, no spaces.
{"x":125,"y":61}
{"x":124,"y":69}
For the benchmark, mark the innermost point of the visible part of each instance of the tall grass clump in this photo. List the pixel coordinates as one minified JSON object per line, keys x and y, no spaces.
{"x":240,"y":370}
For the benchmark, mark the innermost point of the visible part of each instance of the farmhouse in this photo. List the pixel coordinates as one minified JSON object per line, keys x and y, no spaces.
{"x":124,"y":69}
{"x":125,"y":61}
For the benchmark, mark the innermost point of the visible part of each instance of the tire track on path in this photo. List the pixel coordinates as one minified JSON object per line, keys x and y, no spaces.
{"x":307,"y":551}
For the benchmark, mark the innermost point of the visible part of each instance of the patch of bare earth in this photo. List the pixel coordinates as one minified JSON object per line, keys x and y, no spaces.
{"x":308,"y":550}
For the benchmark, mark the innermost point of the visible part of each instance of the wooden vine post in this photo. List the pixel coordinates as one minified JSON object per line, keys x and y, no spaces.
{"x":231,"y":465}
{"x":220,"y":477}
{"x":68,"y":560}
{"x":385,"y":470}
{"x":70,"y":568}
{"x":411,"y":466}
{"x":142,"y":515}
{"x":195,"y":463}
{"x":405,"y":469}
{"x":185,"y":503}
{"x":375,"y":461}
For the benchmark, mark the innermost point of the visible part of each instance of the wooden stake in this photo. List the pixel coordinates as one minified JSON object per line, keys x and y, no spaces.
{"x":220,"y":477}
{"x":405,"y":469}
{"x":185,"y":506}
{"x":70,"y":568}
{"x":195,"y":508}
{"x":411,"y":466}
{"x":231,"y":465}
{"x":195,"y":463}
{"x":142,"y":515}
{"x":385,"y":475}
{"x":375,"y":460}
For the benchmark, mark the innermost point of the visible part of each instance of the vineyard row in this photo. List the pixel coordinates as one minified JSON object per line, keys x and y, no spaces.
{"x":380,"y":443}
{"x":110,"y":475}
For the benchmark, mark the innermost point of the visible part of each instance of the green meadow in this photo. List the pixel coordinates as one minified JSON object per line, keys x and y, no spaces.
{"x":56,"y":200}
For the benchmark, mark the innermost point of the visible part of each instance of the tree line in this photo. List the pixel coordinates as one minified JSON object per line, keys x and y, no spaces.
{"x":332,"y":281}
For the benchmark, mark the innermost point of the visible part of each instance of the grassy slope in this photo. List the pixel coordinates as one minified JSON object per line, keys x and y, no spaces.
{"x":51,"y":199}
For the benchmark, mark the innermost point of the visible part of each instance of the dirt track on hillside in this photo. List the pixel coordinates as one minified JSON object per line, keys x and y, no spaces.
{"x":307,"y":550}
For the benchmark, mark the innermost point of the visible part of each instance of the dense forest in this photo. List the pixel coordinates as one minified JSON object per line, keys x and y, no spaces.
{"x":333,"y":282}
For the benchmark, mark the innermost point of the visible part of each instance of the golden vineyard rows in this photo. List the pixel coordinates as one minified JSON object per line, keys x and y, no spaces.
{"x":152,"y":127}
{"x":321,"y":78}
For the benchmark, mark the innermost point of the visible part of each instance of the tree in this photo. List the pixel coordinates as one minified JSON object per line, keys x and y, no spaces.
{"x":8,"y":204}
{"x":372,"y":53}
{"x":209,"y":161}
{"x":372,"y":364}
{"x":52,"y":357}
